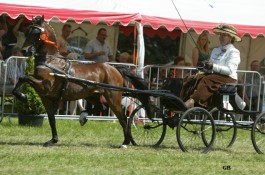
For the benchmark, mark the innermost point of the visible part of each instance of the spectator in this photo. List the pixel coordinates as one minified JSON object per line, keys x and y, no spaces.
{"x":73,"y":104}
{"x":253,"y":92}
{"x":3,"y":31}
{"x":15,"y":68}
{"x":173,"y":82}
{"x":20,"y":30}
{"x":62,"y":43}
{"x":180,"y":62}
{"x":221,"y":69}
{"x":124,"y":57}
{"x":201,"y":52}
{"x":63,"y":50}
{"x":16,"y":51}
{"x":99,"y":50}
{"x":127,"y":102}
{"x":3,"y":25}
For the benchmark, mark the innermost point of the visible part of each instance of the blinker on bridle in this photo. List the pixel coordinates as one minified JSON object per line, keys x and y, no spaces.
{"x":43,"y":36}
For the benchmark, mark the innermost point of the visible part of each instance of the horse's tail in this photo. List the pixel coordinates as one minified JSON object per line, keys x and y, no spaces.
{"x":138,"y":83}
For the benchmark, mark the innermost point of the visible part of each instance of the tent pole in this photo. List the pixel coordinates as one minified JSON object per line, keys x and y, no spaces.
{"x":140,"y":49}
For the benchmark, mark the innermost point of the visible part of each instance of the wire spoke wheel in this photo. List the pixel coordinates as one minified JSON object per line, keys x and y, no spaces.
{"x":258,"y":134}
{"x":226,"y":130}
{"x":196,"y":131}
{"x":146,"y":131}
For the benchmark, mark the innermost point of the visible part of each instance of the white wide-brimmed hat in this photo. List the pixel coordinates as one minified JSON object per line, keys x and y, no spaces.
{"x":228,"y":29}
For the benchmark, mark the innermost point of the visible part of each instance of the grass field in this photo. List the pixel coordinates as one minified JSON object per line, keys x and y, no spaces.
{"x":94,"y":149}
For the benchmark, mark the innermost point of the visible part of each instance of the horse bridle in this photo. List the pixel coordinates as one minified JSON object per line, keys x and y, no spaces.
{"x":39,"y":34}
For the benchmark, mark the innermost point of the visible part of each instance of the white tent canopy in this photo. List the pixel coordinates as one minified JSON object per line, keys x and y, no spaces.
{"x":247,"y":16}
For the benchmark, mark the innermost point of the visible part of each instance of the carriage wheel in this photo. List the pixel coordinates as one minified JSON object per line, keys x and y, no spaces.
{"x":146,"y":132}
{"x":258,"y":134}
{"x":226,"y":130}
{"x":196,"y":131}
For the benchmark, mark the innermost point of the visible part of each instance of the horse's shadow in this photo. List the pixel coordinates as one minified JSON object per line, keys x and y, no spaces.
{"x":16,"y":143}
{"x":91,"y":145}
{"x":23,"y":143}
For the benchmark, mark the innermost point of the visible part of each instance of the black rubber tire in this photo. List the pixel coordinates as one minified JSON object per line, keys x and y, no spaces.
{"x":226,"y":130}
{"x":258,"y":134}
{"x":196,"y":130}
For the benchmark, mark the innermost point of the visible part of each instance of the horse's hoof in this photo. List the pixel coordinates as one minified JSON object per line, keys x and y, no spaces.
{"x":24,"y":99}
{"x":21,"y":97}
{"x":82,"y":121}
{"x":82,"y":118}
{"x":123,"y":146}
{"x":50,"y":143}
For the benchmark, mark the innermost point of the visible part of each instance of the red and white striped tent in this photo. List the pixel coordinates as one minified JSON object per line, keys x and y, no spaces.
{"x":247,"y":16}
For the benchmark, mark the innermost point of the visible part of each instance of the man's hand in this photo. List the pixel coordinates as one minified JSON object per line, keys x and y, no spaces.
{"x":101,"y":53}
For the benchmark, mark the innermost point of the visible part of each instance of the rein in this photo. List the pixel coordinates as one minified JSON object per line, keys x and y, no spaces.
{"x":185,"y":23}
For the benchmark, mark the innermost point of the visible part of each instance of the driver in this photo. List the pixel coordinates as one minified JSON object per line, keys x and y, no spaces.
{"x":221,"y":69}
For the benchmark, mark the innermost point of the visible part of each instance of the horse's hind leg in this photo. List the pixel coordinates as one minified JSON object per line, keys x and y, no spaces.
{"x":114,"y":101}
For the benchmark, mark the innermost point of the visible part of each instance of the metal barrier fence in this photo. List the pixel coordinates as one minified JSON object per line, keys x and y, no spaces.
{"x":14,"y":67}
{"x":250,"y":83}
{"x":11,"y":69}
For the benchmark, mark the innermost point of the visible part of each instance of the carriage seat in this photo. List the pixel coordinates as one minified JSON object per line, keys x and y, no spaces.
{"x":228,"y":94}
{"x":228,"y":89}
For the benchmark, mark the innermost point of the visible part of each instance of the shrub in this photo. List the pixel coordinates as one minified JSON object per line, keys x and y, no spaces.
{"x":34,"y":105}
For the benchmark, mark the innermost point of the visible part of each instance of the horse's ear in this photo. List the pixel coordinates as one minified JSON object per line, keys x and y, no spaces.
{"x":42,"y":18}
{"x":38,"y":20}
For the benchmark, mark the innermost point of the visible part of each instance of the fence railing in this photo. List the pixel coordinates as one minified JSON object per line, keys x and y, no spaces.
{"x":250,"y":83}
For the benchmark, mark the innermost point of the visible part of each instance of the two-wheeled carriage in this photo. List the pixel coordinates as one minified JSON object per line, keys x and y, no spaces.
{"x":197,"y":129}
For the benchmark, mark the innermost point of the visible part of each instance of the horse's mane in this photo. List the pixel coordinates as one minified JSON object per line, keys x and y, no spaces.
{"x":51,"y":50}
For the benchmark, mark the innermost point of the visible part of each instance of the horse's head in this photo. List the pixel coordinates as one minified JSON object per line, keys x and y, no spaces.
{"x":39,"y":38}
{"x":38,"y":20}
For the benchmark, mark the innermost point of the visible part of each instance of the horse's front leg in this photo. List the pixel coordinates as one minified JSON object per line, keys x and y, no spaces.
{"x":20,"y":96}
{"x":52,"y":123}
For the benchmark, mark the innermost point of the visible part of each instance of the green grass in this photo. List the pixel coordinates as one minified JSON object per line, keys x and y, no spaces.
{"x":94,"y":149}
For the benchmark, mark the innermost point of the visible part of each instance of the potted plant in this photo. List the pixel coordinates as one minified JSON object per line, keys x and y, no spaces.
{"x":28,"y":113}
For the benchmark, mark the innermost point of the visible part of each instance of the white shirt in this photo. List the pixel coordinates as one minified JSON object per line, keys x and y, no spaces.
{"x":95,"y":46}
{"x":225,"y":60}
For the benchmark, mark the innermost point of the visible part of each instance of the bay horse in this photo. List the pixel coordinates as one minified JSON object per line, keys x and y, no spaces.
{"x":53,"y":89}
